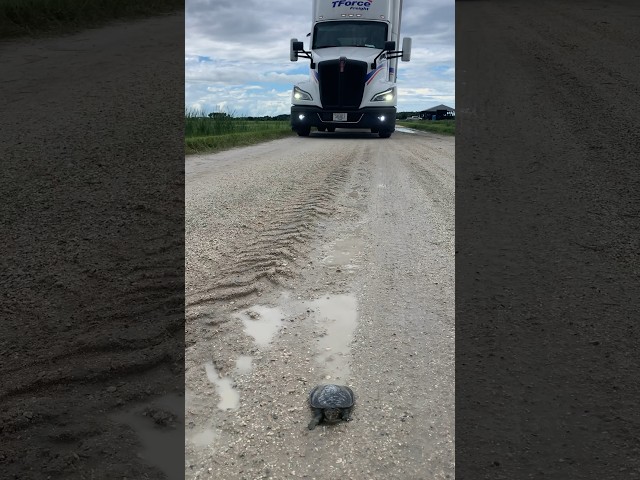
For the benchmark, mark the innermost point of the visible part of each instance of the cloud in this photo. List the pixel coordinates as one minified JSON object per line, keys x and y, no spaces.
{"x":237,"y":54}
{"x":234,"y":73}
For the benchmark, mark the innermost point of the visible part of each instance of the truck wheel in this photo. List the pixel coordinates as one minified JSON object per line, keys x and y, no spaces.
{"x":331,"y":129}
{"x":384,"y":134}
{"x":304,"y":132}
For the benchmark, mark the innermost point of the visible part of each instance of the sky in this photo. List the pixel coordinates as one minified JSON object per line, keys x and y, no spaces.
{"x":237,"y":55}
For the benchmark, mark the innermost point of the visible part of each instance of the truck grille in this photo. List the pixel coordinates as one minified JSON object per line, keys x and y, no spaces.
{"x":342,"y":90}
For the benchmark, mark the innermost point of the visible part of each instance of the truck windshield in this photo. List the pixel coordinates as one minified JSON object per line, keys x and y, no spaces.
{"x":349,"y":34}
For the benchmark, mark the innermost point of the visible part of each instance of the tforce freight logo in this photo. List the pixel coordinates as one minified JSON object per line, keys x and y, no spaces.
{"x":354,"y":4}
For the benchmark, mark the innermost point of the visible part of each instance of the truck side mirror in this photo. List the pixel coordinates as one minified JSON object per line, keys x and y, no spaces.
{"x":293,"y":52}
{"x":406,"y":49}
{"x":296,"y":50}
{"x":389,"y":47}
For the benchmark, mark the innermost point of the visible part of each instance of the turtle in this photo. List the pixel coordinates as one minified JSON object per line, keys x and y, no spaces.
{"x":330,"y":403}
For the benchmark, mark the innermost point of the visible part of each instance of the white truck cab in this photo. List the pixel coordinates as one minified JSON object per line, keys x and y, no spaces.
{"x":353,"y":67}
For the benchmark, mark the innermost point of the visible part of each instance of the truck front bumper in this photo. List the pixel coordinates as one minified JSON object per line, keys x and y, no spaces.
{"x":376,"y":118}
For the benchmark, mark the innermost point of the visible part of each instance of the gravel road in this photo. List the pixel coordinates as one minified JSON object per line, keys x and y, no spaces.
{"x":547,"y":223}
{"x":91,"y":274}
{"x":328,"y":259}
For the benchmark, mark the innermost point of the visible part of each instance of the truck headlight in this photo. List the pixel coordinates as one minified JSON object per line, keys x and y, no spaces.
{"x":385,"y":96}
{"x":300,"y":94}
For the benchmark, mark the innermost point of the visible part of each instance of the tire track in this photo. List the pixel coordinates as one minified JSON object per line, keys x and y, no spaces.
{"x":278,"y":244}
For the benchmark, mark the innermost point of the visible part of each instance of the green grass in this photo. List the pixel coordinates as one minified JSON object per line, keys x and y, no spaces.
{"x":44,"y":17}
{"x":218,"y":143}
{"x":205,"y":135}
{"x":444,"y":127}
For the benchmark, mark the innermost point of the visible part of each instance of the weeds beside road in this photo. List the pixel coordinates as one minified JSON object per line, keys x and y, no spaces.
{"x":444,"y":127}
{"x":215,"y":143}
{"x":222,"y":131}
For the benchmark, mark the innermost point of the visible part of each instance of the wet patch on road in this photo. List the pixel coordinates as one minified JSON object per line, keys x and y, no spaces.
{"x":160,"y":429}
{"x":330,"y":321}
{"x":404,"y":129}
{"x":203,"y":438}
{"x":345,"y":253}
{"x":261,"y":323}
{"x":244,"y":364}
{"x":335,"y":317}
{"x":229,"y":396}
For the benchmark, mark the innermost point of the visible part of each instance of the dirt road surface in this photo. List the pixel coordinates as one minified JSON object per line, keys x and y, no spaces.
{"x":547,"y":98}
{"x":327,"y":259}
{"x":91,"y":272}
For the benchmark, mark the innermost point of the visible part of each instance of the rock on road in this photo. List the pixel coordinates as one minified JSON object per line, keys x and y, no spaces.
{"x":327,"y":259}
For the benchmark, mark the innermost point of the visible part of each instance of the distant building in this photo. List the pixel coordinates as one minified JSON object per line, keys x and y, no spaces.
{"x":439,"y":112}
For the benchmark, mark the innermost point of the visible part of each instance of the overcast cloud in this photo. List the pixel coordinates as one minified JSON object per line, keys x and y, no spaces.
{"x":237,"y":55}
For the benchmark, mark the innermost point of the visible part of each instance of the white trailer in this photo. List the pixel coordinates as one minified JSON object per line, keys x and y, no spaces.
{"x":353,"y":67}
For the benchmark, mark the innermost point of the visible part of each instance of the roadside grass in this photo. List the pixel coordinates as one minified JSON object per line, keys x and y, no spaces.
{"x":214,"y":132}
{"x":444,"y":127}
{"x":204,"y":134}
{"x":52,"y":17}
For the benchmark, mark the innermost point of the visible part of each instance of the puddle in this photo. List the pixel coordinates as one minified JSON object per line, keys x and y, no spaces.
{"x":344,"y":252}
{"x":198,"y":436}
{"x":203,"y":438}
{"x":336,"y":316}
{"x":262,"y":323}
{"x":229,"y":396}
{"x":188,"y":398}
{"x":161,"y":433}
{"x":334,"y":319}
{"x":244,"y":364}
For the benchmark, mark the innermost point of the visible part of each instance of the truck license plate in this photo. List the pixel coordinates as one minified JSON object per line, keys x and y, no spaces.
{"x":339,"y":117}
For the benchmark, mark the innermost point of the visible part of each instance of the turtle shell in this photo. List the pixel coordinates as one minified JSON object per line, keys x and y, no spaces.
{"x":331,"y":396}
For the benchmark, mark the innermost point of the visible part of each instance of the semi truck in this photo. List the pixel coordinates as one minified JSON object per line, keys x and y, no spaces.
{"x":353,"y":67}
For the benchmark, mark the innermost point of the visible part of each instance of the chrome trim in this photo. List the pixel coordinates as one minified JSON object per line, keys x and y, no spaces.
{"x":334,"y":121}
